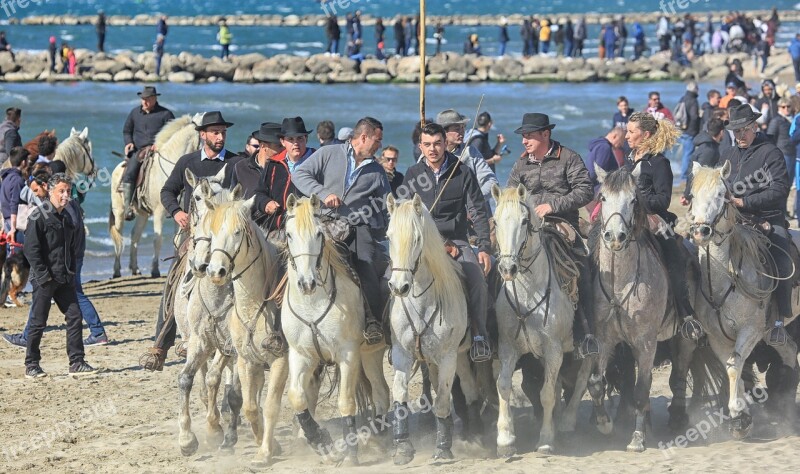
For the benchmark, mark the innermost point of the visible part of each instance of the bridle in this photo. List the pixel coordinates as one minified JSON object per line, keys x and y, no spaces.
{"x":628,"y":223}
{"x":517,"y":257}
{"x":712,"y":226}
{"x":245,"y":242}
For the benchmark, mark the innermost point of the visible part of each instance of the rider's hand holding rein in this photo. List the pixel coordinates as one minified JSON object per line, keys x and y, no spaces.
{"x":182,"y":219}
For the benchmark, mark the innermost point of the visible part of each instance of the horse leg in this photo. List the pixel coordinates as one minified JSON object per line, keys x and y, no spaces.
{"x":403,"y":449}
{"x":682,"y":352}
{"x":505,"y":421}
{"x":233,"y":390}
{"x":569,"y":418}
{"x":349,"y":371}
{"x":372,"y":362}
{"x":644,"y":380}
{"x":473,"y":425}
{"x":196,"y":357}
{"x":532,"y":375}
{"x":782,"y":378}
{"x":300,"y":373}
{"x":215,"y":434}
{"x":116,"y":219}
{"x":741,"y":421}
{"x":158,"y":228}
{"x":252,"y":379}
{"x":446,"y":372}
{"x":597,"y":389}
{"x":278,"y":373}
{"x":136,"y":236}
{"x":553,"y":356}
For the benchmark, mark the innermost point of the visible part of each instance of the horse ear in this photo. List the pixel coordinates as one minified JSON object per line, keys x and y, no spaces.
{"x":291,"y":202}
{"x":522,"y":192}
{"x":496,"y":192}
{"x":637,"y":170}
{"x":237,"y":193}
{"x":391,"y":204}
{"x":726,"y":170}
{"x":248,"y":204}
{"x":205,"y":189}
{"x":417,"y":203}
{"x":601,"y":173}
{"x":696,"y":167}
{"x":72,"y":131}
{"x":220,"y":176}
{"x":190,"y":177}
{"x":84,"y":134}
{"x":209,"y":204}
{"x":315,"y":202}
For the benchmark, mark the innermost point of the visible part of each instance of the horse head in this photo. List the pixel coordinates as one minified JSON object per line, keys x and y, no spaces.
{"x":205,"y":190}
{"x":621,"y":213}
{"x":76,"y":153}
{"x":406,"y":241}
{"x":305,"y":242}
{"x":516,"y":228}
{"x":230,"y":232}
{"x":709,"y":213}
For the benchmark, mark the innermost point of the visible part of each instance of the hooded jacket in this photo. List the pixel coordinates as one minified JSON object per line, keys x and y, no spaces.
{"x":13,"y":182}
{"x":601,"y":153}
{"x":706,"y":152}
{"x":759,"y":176}
{"x":692,"y":113}
{"x":778,"y":133}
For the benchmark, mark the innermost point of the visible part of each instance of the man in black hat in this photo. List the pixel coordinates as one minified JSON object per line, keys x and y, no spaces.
{"x":294,"y":138}
{"x":139,"y":132}
{"x":206,"y":162}
{"x":249,"y":171}
{"x":759,"y":185}
{"x":559,"y":185}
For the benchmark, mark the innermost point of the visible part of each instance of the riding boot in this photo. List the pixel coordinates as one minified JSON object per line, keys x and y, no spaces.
{"x":127,"y":196}
{"x":477,"y":293}
{"x":676,"y":262}
{"x":403,"y":449}
{"x":275,"y":343}
{"x":582,"y":333}
{"x":783,"y":292}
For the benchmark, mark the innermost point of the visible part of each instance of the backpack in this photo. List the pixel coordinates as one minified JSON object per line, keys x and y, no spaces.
{"x":680,"y":116}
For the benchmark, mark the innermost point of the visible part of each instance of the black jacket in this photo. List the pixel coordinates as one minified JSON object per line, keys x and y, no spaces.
{"x":395,"y":181}
{"x":275,"y":185}
{"x":778,"y":133}
{"x":51,"y":245}
{"x":692,"y":113}
{"x":176,"y":183}
{"x":706,"y":152}
{"x":141,"y":128}
{"x":759,"y":177}
{"x":655,"y":184}
{"x":450,"y":213}
{"x":707,"y":110}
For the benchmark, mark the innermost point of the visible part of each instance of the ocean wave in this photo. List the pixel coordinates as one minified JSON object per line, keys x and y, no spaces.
{"x":312,"y":44}
{"x":573,"y":110}
{"x":215,"y":105}
{"x":302,"y":54}
{"x":14,"y":97}
{"x":96,"y":220}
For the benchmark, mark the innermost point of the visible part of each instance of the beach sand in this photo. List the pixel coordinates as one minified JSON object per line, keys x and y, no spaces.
{"x":125,"y":419}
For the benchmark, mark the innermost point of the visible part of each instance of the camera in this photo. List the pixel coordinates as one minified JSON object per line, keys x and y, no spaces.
{"x":504,"y":150}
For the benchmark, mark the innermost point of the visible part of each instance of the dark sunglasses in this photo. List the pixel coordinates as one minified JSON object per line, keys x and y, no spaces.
{"x":257,"y":145}
{"x":391,"y":159}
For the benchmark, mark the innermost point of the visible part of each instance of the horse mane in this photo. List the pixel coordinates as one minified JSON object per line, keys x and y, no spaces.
{"x":170,"y":128}
{"x":446,"y":272}
{"x":70,"y":148}
{"x":307,"y":225}
{"x":33,"y":144}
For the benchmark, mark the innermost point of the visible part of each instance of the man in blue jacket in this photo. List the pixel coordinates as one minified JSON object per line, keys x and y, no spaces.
{"x":794,"y":51}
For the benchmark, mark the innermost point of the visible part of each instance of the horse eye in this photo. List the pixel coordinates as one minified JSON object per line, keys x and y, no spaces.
{"x":197,"y":198}
{"x":602,"y":198}
{"x":288,"y":236}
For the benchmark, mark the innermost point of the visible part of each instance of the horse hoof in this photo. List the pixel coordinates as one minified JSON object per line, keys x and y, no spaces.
{"x":261,"y":461}
{"x":637,"y":443}
{"x":506,"y":451}
{"x":116,"y":274}
{"x":403,"y":453}
{"x":215,"y":438}
{"x":605,"y":426}
{"x":226,"y":450}
{"x":155,"y":274}
{"x":187,"y":449}
{"x":229,"y":443}
{"x":545,"y":449}
{"x":135,"y":272}
{"x":442,"y":454}
{"x":349,"y":461}
{"x":741,"y":426}
{"x":678,"y":423}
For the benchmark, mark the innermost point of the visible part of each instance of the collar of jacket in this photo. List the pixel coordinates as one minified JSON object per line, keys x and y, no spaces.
{"x":553,"y":153}
{"x":450,"y":160}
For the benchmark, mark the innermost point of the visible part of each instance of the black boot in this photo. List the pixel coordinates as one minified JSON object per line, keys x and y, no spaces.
{"x":777,"y":335}
{"x":127,"y":196}
{"x":349,"y":434}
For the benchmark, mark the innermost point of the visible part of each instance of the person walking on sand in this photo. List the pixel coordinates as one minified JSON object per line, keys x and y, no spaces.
{"x":225,"y":37}
{"x":100,"y":27}
{"x":51,"y":247}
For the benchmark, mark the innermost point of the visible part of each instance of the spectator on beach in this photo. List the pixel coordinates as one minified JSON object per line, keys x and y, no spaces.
{"x":358,"y":30}
{"x":399,"y":37}
{"x":472,"y":46}
{"x":380,"y":34}
{"x":558,"y":38}
{"x":9,"y":133}
{"x":761,"y":51}
{"x":767,"y":104}
{"x":622,"y":36}
{"x":601,"y":153}
{"x":333,"y":33}
{"x":251,"y":147}
{"x":162,"y":28}
{"x":663,"y":34}
{"x":706,"y":110}
{"x":72,"y":61}
{"x":408,"y":35}
{"x":13,"y":180}
{"x":52,"y":249}
{"x":735,"y":74}
{"x":416,"y":34}
{"x":794,"y":52}
{"x":5,"y":45}
{"x":623,"y":113}
{"x":778,"y":133}
{"x":479,"y":138}
{"x":730,"y":92}
{"x":579,"y":37}
{"x":706,"y":152}
{"x":64,"y":57}
{"x":689,"y":125}
{"x":345,"y":135}
{"x":610,"y":41}
{"x":225,"y":37}
{"x":388,"y":160}
{"x":502,"y":36}
{"x":52,"y":49}
{"x":639,"y":45}
{"x":601,"y":46}
{"x":100,"y":28}
{"x":525,"y":33}
{"x":438,"y":35}
{"x":158,"y":50}
{"x":569,"y":38}
{"x":326,"y":131}
{"x":536,"y":30}
{"x":349,"y":28}
{"x":656,"y":108}
{"x":47,"y":149}
{"x":544,"y":36}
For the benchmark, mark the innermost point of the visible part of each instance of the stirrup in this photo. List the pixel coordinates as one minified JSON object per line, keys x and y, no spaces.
{"x":692,"y":329}
{"x":275,"y":344}
{"x":152,"y":360}
{"x":373,"y":333}
{"x":480,"y":351}
{"x":182,"y":349}
{"x":777,"y":335}
{"x":589,"y":346}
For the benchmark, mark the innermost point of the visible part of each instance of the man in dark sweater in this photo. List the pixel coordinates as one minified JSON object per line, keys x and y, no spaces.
{"x":691,"y":127}
{"x":9,"y":133}
{"x":457,"y":190}
{"x":249,"y":172}
{"x":51,"y":248}
{"x":207,"y":161}
{"x":139,"y":132}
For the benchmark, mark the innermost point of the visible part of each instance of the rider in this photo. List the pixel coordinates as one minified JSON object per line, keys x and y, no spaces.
{"x":648,"y":138}
{"x":446,"y":185}
{"x":353,"y":184}
{"x":559,"y":185}
{"x":759,"y":185}
{"x":249,"y":172}
{"x":139,"y":133}
{"x":207,"y":161}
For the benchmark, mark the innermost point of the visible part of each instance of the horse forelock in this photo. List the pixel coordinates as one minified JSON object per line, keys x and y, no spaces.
{"x":622,"y":182}
{"x":706,"y":180}
{"x":446,"y":272}
{"x":228,"y":215}
{"x":307,"y":224}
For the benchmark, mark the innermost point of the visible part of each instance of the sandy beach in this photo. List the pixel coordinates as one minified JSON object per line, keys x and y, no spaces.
{"x":125,"y":419}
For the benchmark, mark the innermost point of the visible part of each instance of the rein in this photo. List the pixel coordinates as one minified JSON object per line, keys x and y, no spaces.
{"x":617,"y":305}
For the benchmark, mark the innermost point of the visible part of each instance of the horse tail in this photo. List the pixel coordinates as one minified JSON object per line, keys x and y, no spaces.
{"x":364,"y":402}
{"x":710,"y":379}
{"x":333,"y":378}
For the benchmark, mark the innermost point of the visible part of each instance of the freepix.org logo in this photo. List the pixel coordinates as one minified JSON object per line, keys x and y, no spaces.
{"x":10,"y":7}
{"x":668,"y":7}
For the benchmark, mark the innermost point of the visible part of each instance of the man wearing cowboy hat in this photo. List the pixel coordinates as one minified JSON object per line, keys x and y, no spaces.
{"x":139,"y":133}
{"x":294,"y":138}
{"x":206,"y":162}
{"x":559,"y":185}
{"x":248,"y":172}
{"x":759,"y":185}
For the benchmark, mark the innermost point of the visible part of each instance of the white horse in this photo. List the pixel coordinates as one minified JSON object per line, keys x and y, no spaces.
{"x":76,"y":153}
{"x":429,"y":322}
{"x":734,"y":285}
{"x":323,"y":321}
{"x":534,"y":315}
{"x":177,"y":138}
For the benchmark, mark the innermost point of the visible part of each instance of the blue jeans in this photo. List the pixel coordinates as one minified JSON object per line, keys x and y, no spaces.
{"x":687,"y":143}
{"x":88,"y":311}
{"x":502,"y":51}
{"x":797,"y":185}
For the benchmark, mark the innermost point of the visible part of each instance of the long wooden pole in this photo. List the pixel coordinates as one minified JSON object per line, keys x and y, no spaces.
{"x":421,"y":53}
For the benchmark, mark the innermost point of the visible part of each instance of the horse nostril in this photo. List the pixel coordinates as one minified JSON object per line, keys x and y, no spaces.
{"x":512,"y":269}
{"x":705,"y":231}
{"x":404,"y":289}
{"x":202,"y":267}
{"x":607,"y":236}
{"x":622,"y":236}
{"x":222,"y":272}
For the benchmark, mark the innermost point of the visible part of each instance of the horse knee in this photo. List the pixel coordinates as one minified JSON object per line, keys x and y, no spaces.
{"x":185,"y":382}
{"x":596,"y":386}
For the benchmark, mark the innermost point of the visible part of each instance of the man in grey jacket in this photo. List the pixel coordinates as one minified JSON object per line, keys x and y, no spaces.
{"x":347,"y":178}
{"x":9,"y":133}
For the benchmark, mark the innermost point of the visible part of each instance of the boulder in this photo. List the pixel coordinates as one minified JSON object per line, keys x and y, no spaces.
{"x":408,"y":65}
{"x":584,"y":75}
{"x":7,"y":64}
{"x":182,"y":77}
{"x":378,"y":78}
{"x":102,"y":77}
{"x":219,"y":68}
{"x":373,"y":66}
{"x":269,"y":70}
{"x":346,"y":77}
{"x":413,"y":78}
{"x":243,"y":74}
{"x":318,"y":64}
{"x":544,"y":77}
{"x":108,"y":66}
{"x":435,"y":78}
{"x":457,"y":76}
{"x":125,"y":75}
{"x":539,"y":65}
{"x":658,"y":75}
{"x":247,"y":61}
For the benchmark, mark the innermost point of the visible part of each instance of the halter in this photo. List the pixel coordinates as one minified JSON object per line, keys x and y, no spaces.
{"x":517,"y":257}
{"x":712,"y":226}
{"x":232,"y":258}
{"x":627,"y":223}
